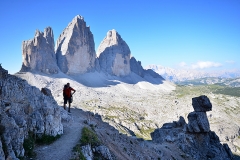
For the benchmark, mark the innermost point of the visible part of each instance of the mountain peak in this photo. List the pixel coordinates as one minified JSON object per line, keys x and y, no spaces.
{"x":114,"y":54}
{"x":78,"y":17}
{"x":75,"y":48}
{"x":38,"y":53}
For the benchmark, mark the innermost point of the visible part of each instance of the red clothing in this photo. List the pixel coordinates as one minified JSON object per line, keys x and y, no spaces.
{"x":67,"y":91}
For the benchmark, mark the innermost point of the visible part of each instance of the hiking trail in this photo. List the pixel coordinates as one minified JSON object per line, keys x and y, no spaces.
{"x":61,"y":149}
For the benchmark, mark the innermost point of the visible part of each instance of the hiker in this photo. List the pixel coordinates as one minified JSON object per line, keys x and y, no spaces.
{"x":67,"y":95}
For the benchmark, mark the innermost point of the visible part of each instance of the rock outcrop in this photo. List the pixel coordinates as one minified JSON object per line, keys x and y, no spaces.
{"x":198,"y":121}
{"x":75,"y":48}
{"x":195,"y":139}
{"x":114,"y":55}
{"x":38,"y":54}
{"x":24,"y":109}
{"x":136,"y":67}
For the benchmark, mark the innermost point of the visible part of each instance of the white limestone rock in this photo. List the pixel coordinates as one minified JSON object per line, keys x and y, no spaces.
{"x":38,"y":54}
{"x":75,"y":48}
{"x":104,"y":152}
{"x":87,"y":152}
{"x":114,"y":55}
{"x":25,"y":108}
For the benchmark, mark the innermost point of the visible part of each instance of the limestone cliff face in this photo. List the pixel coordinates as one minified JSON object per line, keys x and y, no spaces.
{"x":114,"y":55}
{"x":136,"y":67}
{"x":75,"y":48}
{"x":38,"y":54}
{"x":24,"y":109}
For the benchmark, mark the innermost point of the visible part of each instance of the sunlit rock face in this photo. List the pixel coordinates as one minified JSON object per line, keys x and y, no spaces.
{"x":75,"y":48}
{"x":114,"y":55}
{"x":38,"y":53}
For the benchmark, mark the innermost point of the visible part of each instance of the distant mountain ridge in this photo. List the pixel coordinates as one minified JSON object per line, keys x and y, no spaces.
{"x":179,"y":75}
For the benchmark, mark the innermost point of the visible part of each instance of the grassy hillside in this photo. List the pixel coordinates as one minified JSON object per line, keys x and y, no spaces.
{"x":181,"y":90}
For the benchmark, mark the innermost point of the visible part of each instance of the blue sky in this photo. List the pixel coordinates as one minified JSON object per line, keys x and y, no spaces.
{"x":198,"y":34}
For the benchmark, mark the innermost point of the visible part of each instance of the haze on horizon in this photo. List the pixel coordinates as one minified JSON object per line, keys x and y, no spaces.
{"x":202,"y":35}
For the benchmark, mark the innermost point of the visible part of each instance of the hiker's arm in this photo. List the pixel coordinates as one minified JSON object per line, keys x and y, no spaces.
{"x":73,"y":90}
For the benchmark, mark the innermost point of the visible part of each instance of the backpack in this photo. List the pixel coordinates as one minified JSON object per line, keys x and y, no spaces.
{"x":71,"y":99}
{"x":65,"y":86}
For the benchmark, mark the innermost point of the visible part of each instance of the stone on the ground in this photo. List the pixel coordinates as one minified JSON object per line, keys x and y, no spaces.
{"x":87,"y":152}
{"x":104,"y":151}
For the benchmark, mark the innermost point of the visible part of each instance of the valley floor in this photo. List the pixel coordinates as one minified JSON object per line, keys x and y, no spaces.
{"x":136,"y":107}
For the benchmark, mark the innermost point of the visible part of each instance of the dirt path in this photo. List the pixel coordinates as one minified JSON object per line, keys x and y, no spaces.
{"x":62,"y":148}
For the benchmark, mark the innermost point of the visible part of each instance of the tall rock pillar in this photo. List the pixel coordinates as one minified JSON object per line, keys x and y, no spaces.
{"x":198,"y":121}
{"x":114,"y":55}
{"x":38,"y":54}
{"x":75,"y":48}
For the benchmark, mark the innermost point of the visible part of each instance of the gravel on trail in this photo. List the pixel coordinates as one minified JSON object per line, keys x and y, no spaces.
{"x":61,"y":149}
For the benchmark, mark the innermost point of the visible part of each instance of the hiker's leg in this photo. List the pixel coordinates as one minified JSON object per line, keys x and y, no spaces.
{"x":69,"y":104}
{"x":65,"y":102}
{"x":69,"y":107}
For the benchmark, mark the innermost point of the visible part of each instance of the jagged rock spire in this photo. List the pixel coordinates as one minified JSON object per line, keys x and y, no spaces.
{"x":38,"y":54}
{"x":114,"y":55}
{"x":75,"y":48}
{"x":136,"y":67}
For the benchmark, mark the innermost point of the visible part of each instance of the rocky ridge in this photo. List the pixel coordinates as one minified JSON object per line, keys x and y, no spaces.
{"x":195,"y":139}
{"x":24,"y":109}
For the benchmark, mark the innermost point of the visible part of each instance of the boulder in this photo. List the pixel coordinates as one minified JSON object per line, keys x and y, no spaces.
{"x":114,"y":55}
{"x":38,"y":54}
{"x":201,"y":104}
{"x":75,"y":49}
{"x":87,"y":152}
{"x":104,"y":152}
{"x":47,"y":92}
